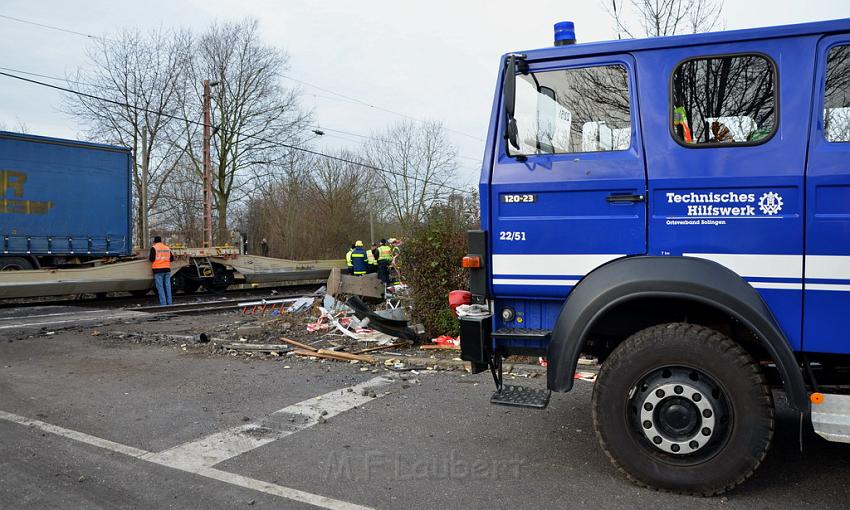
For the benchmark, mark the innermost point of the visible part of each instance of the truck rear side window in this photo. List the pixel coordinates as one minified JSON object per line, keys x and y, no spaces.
{"x":836,"y":100}
{"x":573,"y":110}
{"x":724,"y":100}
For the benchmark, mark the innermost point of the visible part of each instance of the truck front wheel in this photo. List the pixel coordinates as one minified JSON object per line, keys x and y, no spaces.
{"x":683,"y":408}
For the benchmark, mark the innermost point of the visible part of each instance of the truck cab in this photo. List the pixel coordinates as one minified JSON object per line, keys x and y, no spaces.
{"x":678,"y":208}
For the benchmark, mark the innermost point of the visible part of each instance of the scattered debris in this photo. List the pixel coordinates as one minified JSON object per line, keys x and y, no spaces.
{"x":472,"y":311}
{"x":299,"y":345}
{"x":393,"y":327}
{"x":334,"y":355}
{"x":443,"y":342}
{"x":249,"y":330}
{"x":274,"y":348}
{"x":383,"y":347}
{"x":439,"y":347}
{"x":368,"y":285}
{"x":585,"y":376}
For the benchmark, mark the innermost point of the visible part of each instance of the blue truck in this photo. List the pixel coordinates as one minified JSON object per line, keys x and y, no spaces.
{"x":678,"y":208}
{"x":62,"y":201}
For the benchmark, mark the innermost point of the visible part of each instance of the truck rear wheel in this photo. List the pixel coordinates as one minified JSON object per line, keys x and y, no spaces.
{"x":683,"y":408}
{"x":14,"y":264}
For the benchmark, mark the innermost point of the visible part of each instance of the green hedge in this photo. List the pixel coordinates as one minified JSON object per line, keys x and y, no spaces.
{"x":430,"y":261}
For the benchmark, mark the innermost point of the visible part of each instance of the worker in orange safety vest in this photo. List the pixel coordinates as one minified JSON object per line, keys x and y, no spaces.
{"x":161,"y":258}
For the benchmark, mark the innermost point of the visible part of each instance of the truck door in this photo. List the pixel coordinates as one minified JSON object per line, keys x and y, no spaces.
{"x":827,"y":260}
{"x":571,"y":195}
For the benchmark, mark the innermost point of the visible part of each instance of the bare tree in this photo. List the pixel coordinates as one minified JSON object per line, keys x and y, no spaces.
{"x":252,"y":112}
{"x":314,"y":207}
{"x":139,"y":78}
{"x":181,"y":211}
{"x":419,"y":163}
{"x":18,"y":127}
{"x":654,"y":18}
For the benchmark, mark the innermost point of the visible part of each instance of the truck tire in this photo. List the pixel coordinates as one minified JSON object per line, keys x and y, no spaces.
{"x":14,"y":264}
{"x":683,"y":408}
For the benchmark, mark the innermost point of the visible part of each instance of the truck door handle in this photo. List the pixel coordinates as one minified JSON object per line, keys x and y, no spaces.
{"x":616,"y":198}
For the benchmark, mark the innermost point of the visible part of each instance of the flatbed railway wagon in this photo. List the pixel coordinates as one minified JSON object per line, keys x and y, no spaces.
{"x":66,"y":228}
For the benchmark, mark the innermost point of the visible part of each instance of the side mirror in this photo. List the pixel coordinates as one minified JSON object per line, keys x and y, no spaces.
{"x":509,"y":95}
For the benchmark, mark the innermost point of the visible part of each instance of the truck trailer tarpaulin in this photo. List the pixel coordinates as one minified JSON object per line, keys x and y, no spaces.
{"x":63,"y":198}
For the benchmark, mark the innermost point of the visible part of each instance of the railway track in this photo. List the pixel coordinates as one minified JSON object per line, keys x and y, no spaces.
{"x":148,"y":301}
{"x":56,"y":317}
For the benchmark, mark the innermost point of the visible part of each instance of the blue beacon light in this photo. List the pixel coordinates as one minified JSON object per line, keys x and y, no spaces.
{"x":565,"y":33}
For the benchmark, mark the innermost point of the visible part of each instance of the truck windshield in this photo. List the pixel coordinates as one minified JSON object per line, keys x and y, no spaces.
{"x":573,"y":110}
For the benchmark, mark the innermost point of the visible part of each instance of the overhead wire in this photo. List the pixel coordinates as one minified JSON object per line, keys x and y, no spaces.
{"x":366,"y":137}
{"x":360,"y":137}
{"x":53,"y":27}
{"x":309,"y":84}
{"x":375,"y":107}
{"x":246,"y":135}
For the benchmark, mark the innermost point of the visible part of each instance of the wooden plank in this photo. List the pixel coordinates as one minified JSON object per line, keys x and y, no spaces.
{"x":298,"y":344}
{"x":368,"y":285}
{"x":334,"y":281}
{"x":241,"y":346}
{"x":382,"y":347}
{"x":348,"y":356}
{"x":331,"y":355}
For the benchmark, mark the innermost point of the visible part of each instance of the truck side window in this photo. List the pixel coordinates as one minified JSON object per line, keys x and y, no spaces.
{"x":573,"y":110}
{"x":726,"y":100}
{"x":836,"y":100}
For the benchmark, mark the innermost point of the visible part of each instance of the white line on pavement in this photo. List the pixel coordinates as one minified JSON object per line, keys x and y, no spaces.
{"x":229,"y":443}
{"x":73,"y":434}
{"x":198,"y":456}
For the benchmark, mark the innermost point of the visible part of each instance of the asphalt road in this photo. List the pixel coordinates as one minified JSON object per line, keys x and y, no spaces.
{"x":84,"y":424}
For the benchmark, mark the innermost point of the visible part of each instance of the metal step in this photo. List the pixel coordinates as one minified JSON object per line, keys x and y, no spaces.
{"x":522,"y":333}
{"x":521,"y":396}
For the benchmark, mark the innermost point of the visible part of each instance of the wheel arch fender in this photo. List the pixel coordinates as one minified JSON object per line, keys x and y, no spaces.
{"x":688,"y":278}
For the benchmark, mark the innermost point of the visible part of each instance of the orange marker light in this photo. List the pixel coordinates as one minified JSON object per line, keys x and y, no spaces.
{"x":471,"y":262}
{"x":816,"y":398}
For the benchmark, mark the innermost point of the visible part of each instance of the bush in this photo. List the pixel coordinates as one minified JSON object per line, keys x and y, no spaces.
{"x":430,"y":262}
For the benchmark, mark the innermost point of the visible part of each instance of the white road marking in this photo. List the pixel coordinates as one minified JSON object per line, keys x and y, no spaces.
{"x":229,"y":443}
{"x":73,"y":434}
{"x":198,"y":456}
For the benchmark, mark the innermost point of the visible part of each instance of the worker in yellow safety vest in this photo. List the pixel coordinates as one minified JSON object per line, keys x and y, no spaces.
{"x":348,"y":258}
{"x":385,"y":256}
{"x":161,"y":257}
{"x":371,"y":260}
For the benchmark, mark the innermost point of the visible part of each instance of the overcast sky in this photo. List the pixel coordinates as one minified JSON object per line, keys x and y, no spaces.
{"x":433,"y":59}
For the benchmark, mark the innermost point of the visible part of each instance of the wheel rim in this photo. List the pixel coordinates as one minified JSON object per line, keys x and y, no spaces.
{"x":680,"y":413}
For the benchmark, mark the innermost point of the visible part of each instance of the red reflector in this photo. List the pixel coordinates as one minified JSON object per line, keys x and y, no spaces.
{"x":471,"y":262}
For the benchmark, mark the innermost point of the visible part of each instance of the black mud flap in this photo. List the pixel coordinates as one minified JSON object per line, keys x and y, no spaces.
{"x":474,"y":342}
